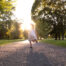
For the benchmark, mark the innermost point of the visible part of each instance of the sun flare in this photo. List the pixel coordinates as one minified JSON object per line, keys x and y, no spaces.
{"x":23,"y":11}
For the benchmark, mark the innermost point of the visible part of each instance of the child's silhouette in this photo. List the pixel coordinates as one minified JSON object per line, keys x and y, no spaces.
{"x":32,"y":35}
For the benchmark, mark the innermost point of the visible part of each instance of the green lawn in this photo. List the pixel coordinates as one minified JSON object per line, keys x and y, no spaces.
{"x":3,"y":42}
{"x":61,"y":43}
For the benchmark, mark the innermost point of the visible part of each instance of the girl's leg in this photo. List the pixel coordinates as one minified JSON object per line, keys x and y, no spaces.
{"x":36,"y":41}
{"x":30,"y":44}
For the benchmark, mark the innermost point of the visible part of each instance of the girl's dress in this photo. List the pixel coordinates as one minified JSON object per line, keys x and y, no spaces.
{"x":32,"y":35}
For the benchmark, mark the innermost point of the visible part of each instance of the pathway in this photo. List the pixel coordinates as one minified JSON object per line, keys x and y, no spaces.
{"x":19,"y":54}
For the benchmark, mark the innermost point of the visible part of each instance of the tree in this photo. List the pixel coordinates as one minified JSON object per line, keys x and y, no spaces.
{"x":53,"y":13}
{"x":3,"y":30}
{"x":6,"y":8}
{"x":25,"y":33}
{"x":14,"y":31}
{"x":10,"y":30}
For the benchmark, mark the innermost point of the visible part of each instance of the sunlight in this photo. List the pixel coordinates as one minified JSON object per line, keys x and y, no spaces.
{"x":26,"y":27}
{"x":23,"y":11}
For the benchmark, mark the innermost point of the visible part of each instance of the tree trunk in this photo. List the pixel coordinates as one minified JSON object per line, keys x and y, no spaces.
{"x":59,"y":36}
{"x":56,"y":36}
{"x":62,"y":36}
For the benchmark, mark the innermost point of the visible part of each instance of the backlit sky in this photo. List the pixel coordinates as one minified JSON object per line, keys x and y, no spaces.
{"x":23,"y":10}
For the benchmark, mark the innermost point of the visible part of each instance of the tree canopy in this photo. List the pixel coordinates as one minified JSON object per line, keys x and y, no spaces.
{"x":9,"y":29}
{"x":6,"y":9}
{"x":52,"y":14}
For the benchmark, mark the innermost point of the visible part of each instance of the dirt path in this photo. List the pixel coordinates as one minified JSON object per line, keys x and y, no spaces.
{"x":19,"y":54}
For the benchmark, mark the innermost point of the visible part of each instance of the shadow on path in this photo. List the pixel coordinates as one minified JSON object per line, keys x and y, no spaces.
{"x":37,"y":59}
{"x":25,"y":57}
{"x":19,"y":54}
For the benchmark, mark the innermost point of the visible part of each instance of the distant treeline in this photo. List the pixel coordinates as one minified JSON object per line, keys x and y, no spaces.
{"x":10,"y":30}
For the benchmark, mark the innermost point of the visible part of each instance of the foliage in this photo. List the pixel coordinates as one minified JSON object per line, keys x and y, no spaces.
{"x":10,"y":30}
{"x":42,"y":29}
{"x":25,"y":33}
{"x":6,"y":8}
{"x":51,"y":12}
{"x":3,"y":30}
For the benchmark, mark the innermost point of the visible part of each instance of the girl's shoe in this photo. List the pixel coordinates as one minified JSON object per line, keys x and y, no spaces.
{"x":30,"y":47}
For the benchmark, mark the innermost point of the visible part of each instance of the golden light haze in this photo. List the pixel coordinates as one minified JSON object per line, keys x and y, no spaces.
{"x":23,"y":11}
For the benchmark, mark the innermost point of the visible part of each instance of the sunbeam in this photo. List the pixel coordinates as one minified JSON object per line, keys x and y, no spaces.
{"x":23,"y":11}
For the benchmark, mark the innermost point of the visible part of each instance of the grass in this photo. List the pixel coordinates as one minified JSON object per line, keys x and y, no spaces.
{"x":61,"y":43}
{"x":4,"y":42}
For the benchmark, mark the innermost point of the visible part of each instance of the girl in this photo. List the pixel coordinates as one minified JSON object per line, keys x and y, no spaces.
{"x":32,"y":35}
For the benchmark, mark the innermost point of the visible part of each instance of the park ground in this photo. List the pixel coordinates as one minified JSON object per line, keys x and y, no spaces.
{"x":61,"y":43}
{"x":42,"y":54}
{"x":4,"y":42}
